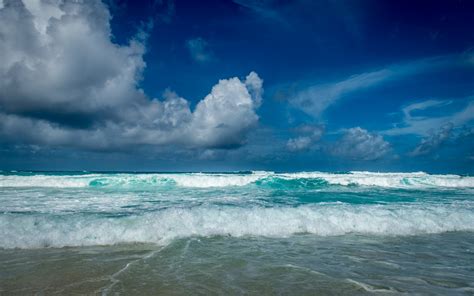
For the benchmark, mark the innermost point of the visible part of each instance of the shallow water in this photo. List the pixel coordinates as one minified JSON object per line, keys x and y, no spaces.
{"x":242,"y":233}
{"x":301,"y":265}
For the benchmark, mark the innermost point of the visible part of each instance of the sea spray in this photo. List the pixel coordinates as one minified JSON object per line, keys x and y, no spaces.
{"x":161,"y":227}
{"x":418,"y":180}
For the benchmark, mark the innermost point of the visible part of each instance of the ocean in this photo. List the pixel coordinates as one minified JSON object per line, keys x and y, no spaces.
{"x":244,"y":233}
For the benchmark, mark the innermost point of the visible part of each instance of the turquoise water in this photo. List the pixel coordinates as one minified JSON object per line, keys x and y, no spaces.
{"x":238,"y":233}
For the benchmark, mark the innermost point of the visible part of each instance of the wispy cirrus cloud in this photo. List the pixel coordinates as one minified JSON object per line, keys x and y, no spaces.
{"x":424,"y":125}
{"x":316,"y":98}
{"x":263,"y":8}
{"x":433,"y":130}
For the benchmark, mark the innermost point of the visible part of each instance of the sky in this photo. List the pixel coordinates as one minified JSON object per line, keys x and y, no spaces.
{"x":175,"y":85}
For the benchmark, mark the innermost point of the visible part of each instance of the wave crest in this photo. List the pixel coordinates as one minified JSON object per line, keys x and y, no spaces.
{"x":23,"y":231}
{"x":418,"y":180}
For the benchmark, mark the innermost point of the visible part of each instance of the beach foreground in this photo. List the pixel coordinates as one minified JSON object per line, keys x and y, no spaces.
{"x":256,"y":233}
{"x":300,"y":265}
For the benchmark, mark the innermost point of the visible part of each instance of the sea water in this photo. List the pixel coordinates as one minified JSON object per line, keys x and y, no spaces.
{"x":259,"y":233}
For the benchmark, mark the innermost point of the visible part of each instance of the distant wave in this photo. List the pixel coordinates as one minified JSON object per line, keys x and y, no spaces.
{"x":36,"y":231}
{"x":418,"y":180}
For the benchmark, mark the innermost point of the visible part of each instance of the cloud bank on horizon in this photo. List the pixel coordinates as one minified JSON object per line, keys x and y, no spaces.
{"x":75,"y":79}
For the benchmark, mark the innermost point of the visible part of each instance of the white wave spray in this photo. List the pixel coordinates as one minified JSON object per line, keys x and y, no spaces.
{"x":35,"y":231}
{"x":418,"y":180}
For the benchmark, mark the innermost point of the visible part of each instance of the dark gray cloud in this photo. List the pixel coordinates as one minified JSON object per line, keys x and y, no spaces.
{"x":433,"y":140}
{"x":63,"y":82}
{"x":308,"y":136}
{"x":356,"y":144}
{"x":360,"y":144}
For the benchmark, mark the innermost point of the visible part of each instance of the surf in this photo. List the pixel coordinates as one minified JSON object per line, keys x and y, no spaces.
{"x":419,"y":180}
{"x":161,"y":227}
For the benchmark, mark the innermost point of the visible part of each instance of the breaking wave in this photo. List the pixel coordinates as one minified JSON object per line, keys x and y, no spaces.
{"x":418,"y":180}
{"x":36,"y":231}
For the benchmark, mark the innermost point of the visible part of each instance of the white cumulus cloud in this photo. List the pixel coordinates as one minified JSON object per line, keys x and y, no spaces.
{"x":63,"y":82}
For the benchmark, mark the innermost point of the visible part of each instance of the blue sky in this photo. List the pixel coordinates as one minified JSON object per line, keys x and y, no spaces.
{"x":237,"y":85}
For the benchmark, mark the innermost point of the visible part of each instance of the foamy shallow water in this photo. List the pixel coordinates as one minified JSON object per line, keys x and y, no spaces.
{"x":306,"y":228}
{"x":436,"y":264}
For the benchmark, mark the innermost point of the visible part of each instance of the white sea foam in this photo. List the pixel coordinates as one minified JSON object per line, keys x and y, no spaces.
{"x":200,"y":180}
{"x":56,"y":181}
{"x":26,"y":231}
{"x":217,"y":180}
{"x":391,"y":180}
